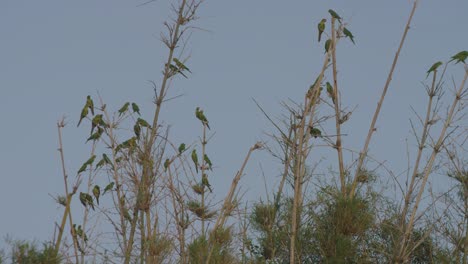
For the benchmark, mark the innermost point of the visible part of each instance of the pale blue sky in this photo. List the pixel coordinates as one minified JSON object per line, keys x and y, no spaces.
{"x":54,"y":53}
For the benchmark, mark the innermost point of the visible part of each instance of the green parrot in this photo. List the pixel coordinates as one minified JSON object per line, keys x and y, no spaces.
{"x":174,"y":70}
{"x":84,"y":113}
{"x":143,"y":123}
{"x":130,"y":143}
{"x":460,"y":56}
{"x":208,"y":162}
{"x":135,"y":108}
{"x":334,"y":15}
{"x":96,"y":193}
{"x":181,"y":65}
{"x":83,"y":199}
{"x":100,"y":164}
{"x":181,"y":148}
{"x":327,"y":45}
{"x":434,"y":68}
{"x":96,"y":135}
{"x":315,"y":132}
{"x":205,"y":182}
{"x":124,"y":108}
{"x":88,"y":162}
{"x":195,"y":159}
{"x":201,"y":116}
{"x":321,"y":28}
{"x":97,"y":120}
{"x":89,"y":200}
{"x":166,"y":164}
{"x":348,"y":34}
{"x":109,"y":187}
{"x":90,"y":104}
{"x":137,"y":130}
{"x":330,"y":92}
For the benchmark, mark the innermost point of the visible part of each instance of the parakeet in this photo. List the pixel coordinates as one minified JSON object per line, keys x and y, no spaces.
{"x":208,"y":162}
{"x":181,"y":148}
{"x":143,"y":123}
{"x":97,"y":120}
{"x":327,"y":45}
{"x":434,"y":67}
{"x":315,"y":132}
{"x":135,"y":108}
{"x":96,"y":135}
{"x":195,"y":159}
{"x":109,"y":187}
{"x":84,"y":113}
{"x":137,"y":130}
{"x":124,"y":108}
{"x":83,"y":199}
{"x":96,"y":193}
{"x":334,"y":15}
{"x":88,"y":162}
{"x":348,"y":34}
{"x":89,"y":200}
{"x":321,"y":28}
{"x":90,"y":104}
{"x":181,"y":65}
{"x":205,"y":182}
{"x":201,"y":116}
{"x":330,"y":92}
{"x":166,"y":164}
{"x":460,"y":56}
{"x":175,"y":70}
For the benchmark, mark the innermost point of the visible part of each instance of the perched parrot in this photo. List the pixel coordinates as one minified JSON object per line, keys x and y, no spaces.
{"x":330,"y":92}
{"x":195,"y":159}
{"x":90,"y":104}
{"x":84,"y":113}
{"x":175,"y":70}
{"x":315,"y":132}
{"x":348,"y":34}
{"x":434,"y":68}
{"x":97,"y":120}
{"x":83,"y":199}
{"x":208,"y":162}
{"x":181,"y":148}
{"x":109,"y":187}
{"x":124,"y":108}
{"x":205,"y":182}
{"x":181,"y":65}
{"x":166,"y":164}
{"x":334,"y":15}
{"x":143,"y":123}
{"x":89,"y":200}
{"x":88,"y":162}
{"x":327,"y":45}
{"x":135,"y":108}
{"x":321,"y":28}
{"x":96,"y":193}
{"x":137,"y":130}
{"x":201,"y":116}
{"x":460,"y":56}
{"x":96,"y":135}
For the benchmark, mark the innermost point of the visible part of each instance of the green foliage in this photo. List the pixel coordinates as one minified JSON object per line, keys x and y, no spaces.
{"x":220,"y":244}
{"x":23,"y":252}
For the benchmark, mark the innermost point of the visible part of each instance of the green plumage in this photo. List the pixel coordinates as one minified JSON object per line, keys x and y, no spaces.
{"x":96,"y":135}
{"x":96,"y":193}
{"x":321,"y":28}
{"x":135,"y":108}
{"x":434,"y":67}
{"x":84,"y":113}
{"x":109,"y":187}
{"x":97,"y":121}
{"x":327,"y":45}
{"x":124,"y":108}
{"x":143,"y":123}
{"x":205,"y":182}
{"x":90,"y":104}
{"x":137,"y":130}
{"x":460,"y":56}
{"x":315,"y":132}
{"x":180,"y":65}
{"x":334,"y":15}
{"x":208,"y":162}
{"x":348,"y":34}
{"x":330,"y":92}
{"x":181,"y":148}
{"x":166,"y":164}
{"x":195,"y":159}
{"x":87,"y":163}
{"x":201,"y":116}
